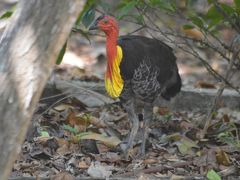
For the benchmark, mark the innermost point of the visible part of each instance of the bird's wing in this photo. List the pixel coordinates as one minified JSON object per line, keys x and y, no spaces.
{"x":142,"y":55}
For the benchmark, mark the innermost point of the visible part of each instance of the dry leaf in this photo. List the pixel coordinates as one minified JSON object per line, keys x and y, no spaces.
{"x":193,"y":33}
{"x":108,"y":141}
{"x":150,"y":161}
{"x":63,"y":176}
{"x":63,"y":150}
{"x":204,"y":84}
{"x":183,"y":143}
{"x":96,"y":170}
{"x":83,"y":165}
{"x":62,"y":107}
{"x":97,"y":122}
{"x":222,"y":158}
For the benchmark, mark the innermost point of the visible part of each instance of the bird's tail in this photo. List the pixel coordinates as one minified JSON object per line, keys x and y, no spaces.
{"x":173,"y":86}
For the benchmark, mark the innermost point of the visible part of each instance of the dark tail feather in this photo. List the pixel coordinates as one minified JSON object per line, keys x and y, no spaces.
{"x":172,"y":87}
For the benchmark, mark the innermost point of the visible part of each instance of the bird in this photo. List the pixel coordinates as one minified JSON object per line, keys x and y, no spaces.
{"x":138,"y":68}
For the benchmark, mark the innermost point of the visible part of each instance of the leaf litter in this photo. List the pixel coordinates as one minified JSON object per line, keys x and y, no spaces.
{"x":77,"y":135}
{"x":83,"y":143}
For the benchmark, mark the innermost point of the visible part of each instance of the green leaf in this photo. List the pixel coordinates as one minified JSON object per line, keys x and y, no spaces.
{"x":70,"y":129}
{"x":237,"y":4}
{"x":88,"y":16}
{"x":139,"y":18}
{"x":188,"y":26}
{"x":125,"y":8}
{"x":210,"y":1}
{"x":44,"y":134}
{"x":227,"y":9}
{"x":212,"y":175}
{"x":197,"y":21}
{"x":213,"y":17}
{"x":61,"y":54}
{"x":154,"y":2}
{"x":212,"y":13}
{"x":86,"y":7}
{"x":7,"y":14}
{"x":167,"y":5}
{"x":106,"y":6}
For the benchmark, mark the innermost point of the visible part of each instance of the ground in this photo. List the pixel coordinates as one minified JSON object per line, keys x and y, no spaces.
{"x":78,"y":134}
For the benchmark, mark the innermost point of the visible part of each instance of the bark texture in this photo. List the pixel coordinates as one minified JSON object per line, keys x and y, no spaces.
{"x":28,"y":49}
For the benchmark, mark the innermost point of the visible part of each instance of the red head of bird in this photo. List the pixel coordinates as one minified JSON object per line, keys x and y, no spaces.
{"x":109,"y":26}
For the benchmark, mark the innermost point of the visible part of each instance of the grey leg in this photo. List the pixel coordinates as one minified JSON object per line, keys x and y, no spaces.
{"x":129,"y":106}
{"x":147,"y":116}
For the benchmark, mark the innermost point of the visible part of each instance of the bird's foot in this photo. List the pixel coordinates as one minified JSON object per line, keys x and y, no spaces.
{"x":127,"y":151}
{"x":141,"y":153}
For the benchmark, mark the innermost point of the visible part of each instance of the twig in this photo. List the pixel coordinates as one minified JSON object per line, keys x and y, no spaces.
{"x":192,"y":52}
{"x":219,"y":93}
{"x":82,"y":90}
{"x":138,"y":29}
{"x":155,"y":169}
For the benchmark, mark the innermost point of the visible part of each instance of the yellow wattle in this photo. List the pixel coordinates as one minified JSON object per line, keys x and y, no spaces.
{"x":114,"y":85}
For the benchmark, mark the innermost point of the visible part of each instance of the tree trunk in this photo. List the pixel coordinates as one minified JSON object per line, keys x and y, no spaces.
{"x":28,"y":49}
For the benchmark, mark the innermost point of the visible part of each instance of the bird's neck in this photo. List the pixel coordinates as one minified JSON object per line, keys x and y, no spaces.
{"x":111,"y":48}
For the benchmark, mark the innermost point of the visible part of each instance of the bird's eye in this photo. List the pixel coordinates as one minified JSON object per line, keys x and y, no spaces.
{"x":105,"y":21}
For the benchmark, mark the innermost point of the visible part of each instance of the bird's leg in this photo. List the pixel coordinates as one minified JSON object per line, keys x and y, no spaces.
{"x":129,"y":106}
{"x":147,"y":116}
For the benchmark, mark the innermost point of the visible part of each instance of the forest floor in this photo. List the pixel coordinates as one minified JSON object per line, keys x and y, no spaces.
{"x":71,"y":138}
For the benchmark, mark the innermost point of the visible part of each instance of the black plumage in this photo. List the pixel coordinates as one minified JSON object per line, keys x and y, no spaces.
{"x":145,"y":53}
{"x":148,"y":69}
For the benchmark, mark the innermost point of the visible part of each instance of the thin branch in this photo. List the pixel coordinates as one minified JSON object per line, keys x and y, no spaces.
{"x":219,"y":94}
{"x":192,"y":51}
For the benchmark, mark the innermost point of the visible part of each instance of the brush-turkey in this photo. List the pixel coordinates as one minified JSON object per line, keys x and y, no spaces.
{"x":137,"y":68}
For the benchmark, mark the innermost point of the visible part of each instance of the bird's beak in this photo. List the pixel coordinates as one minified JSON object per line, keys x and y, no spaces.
{"x":93,"y":26}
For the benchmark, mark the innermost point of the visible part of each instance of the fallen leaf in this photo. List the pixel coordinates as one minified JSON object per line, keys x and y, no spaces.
{"x":161,"y":110}
{"x":63,"y":176}
{"x":204,"y":84}
{"x":102,"y":148}
{"x":62,"y":107}
{"x":42,"y":140}
{"x":108,"y":141}
{"x":185,"y":146}
{"x":70,"y":129}
{"x":111,"y":157}
{"x":150,"y":161}
{"x":44,"y":134}
{"x":79,"y":122}
{"x":63,"y":150}
{"x":88,"y":146}
{"x":97,"y":122}
{"x":177,"y":177}
{"x":83,"y":165}
{"x":222,"y":158}
{"x":183,"y":143}
{"x":212,"y":175}
{"x":96,"y":170}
